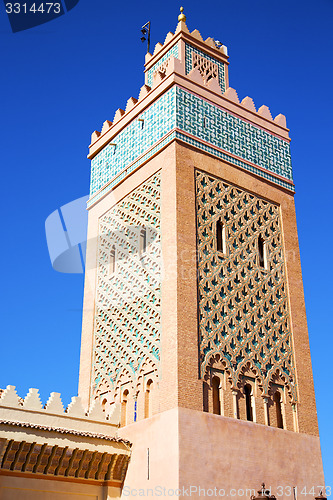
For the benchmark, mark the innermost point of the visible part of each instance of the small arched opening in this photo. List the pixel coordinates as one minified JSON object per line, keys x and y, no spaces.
{"x":112,"y":261}
{"x":148,"y":398}
{"x":216,"y":396}
{"x":248,"y":402}
{"x":220,"y":237}
{"x":278,"y":409}
{"x":124,"y":408}
{"x":143,"y":241}
{"x":262,"y":252}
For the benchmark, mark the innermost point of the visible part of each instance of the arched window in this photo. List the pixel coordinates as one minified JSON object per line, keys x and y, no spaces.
{"x":112,"y":261}
{"x":104,"y":403}
{"x":220,"y":237}
{"x":216,"y":396}
{"x":278,"y":407}
{"x":142,"y":241}
{"x":124,"y":408}
{"x":248,"y":402}
{"x":148,"y":403}
{"x":262,"y":252}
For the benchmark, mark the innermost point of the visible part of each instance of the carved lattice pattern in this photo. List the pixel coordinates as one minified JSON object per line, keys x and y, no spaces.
{"x":243,"y":308}
{"x":127,"y":316}
{"x":208,"y":69}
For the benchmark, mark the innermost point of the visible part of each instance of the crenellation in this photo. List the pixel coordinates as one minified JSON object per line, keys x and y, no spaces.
{"x":130,"y":104}
{"x":54,"y":406}
{"x":248,"y":103}
{"x":181,"y":27}
{"x":194,"y":333}
{"x":202,"y":68}
{"x":115,"y":413}
{"x":118,"y":115}
{"x":281,"y":120}
{"x":157,"y":48}
{"x":144,"y":91}
{"x":174,"y":65}
{"x":231,"y":94}
{"x":196,"y":34}
{"x":32,"y":400}
{"x":106,"y":125}
{"x":96,"y":411}
{"x":169,"y":37}
{"x":95,"y":136}
{"x":75,"y":408}
{"x":224,"y":50}
{"x":195,"y":76}
{"x":148,"y":57}
{"x":214,"y":86}
{"x":218,"y":131}
{"x":210,"y":41}
{"x":54,"y":403}
{"x":9,"y":397}
{"x":194,"y":344}
{"x":265,"y":112}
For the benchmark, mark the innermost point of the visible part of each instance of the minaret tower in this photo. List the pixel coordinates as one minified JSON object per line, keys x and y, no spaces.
{"x":194,"y":316}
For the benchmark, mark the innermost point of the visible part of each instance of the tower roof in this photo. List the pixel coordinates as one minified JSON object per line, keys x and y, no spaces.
{"x":186,"y":62}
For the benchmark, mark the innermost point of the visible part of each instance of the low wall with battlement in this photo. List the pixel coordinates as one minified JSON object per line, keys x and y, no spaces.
{"x":47,"y":451}
{"x":75,"y":417}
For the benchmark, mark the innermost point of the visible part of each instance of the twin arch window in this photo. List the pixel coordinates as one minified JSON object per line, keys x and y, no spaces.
{"x":142,"y":248}
{"x":249,"y":402}
{"x":221,"y":244}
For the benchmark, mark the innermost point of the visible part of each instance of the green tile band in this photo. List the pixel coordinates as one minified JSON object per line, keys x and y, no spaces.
{"x":188,"y":113}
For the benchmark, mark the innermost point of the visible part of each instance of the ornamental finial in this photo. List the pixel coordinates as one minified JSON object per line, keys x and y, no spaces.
{"x":182,"y":16}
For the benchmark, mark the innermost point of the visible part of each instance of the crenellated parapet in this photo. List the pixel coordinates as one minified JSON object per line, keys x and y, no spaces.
{"x":31,"y":409}
{"x":172,"y":65}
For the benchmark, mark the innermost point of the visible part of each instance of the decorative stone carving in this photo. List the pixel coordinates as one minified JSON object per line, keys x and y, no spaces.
{"x":127,"y":315}
{"x":243,"y":307}
{"x":207,"y":68}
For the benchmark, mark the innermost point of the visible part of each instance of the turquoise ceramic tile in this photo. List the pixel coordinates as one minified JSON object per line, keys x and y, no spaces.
{"x":212,"y":128}
{"x":133,"y":141}
{"x":210,"y":123}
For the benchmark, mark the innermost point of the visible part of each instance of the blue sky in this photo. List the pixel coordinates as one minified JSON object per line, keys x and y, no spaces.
{"x":60,"y":81}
